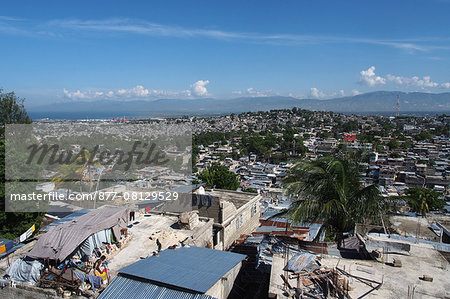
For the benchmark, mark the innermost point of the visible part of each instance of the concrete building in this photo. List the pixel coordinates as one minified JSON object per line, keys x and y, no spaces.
{"x":387,"y":176}
{"x":421,"y":169}
{"x":374,"y":157}
{"x":234,"y":213}
{"x":327,"y":146}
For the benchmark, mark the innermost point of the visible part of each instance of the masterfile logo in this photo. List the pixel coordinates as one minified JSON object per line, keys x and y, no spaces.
{"x":147,"y":156}
{"x":95,"y":163}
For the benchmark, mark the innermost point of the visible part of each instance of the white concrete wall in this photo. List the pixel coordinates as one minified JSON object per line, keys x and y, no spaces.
{"x":249,"y":223}
{"x":222,"y":288}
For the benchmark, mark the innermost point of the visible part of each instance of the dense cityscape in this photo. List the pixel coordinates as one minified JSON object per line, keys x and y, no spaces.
{"x":287,"y":193}
{"x":225,"y":149}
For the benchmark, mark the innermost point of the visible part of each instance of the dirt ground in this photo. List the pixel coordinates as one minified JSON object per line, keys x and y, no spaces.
{"x":412,"y":227}
{"x":424,"y":260}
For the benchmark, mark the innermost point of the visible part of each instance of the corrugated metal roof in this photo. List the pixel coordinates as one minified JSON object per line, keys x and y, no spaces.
{"x":254,"y":239}
{"x":269,"y":214}
{"x":268,"y":229}
{"x":314,"y":229}
{"x":125,"y":288}
{"x":300,"y":261}
{"x":68,"y":218}
{"x":191,"y":268}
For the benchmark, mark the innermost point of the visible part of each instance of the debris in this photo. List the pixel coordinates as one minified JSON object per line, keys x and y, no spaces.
{"x":306,"y":282}
{"x":188,"y":220}
{"x":426,"y":278}
{"x":363,"y":264}
{"x":397,"y":262}
{"x":301,"y":261}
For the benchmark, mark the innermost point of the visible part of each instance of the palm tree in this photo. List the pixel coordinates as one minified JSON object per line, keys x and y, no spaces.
{"x":422,"y":200}
{"x":328,"y":190}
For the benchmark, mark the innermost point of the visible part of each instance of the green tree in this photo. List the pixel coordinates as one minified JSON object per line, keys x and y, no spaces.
{"x":422,"y":200}
{"x":220,"y":177}
{"x":250,"y":190}
{"x":423,"y":136}
{"x":12,"y":111}
{"x":329,"y":190}
{"x":393,"y":144}
{"x":407,"y":144}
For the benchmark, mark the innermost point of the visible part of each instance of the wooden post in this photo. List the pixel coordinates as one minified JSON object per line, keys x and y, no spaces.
{"x":7,"y":255}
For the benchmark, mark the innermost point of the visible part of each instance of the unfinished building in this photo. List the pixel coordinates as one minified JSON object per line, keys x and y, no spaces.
{"x":234,"y":213}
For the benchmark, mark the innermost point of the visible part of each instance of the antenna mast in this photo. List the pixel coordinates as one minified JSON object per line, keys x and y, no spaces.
{"x":397,"y":107}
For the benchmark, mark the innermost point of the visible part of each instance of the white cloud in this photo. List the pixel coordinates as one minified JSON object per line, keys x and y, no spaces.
{"x":369,"y":78}
{"x":7,"y":18}
{"x":77,"y":94}
{"x":137,"y":26}
{"x":258,"y":93}
{"x":138,"y":91}
{"x":199,"y":89}
{"x":413,"y":81}
{"x":316,"y":93}
{"x":355,"y":92}
{"x":61,"y":27}
{"x":252,"y":92}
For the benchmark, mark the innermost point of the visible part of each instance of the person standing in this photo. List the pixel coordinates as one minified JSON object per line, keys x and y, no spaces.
{"x":158,"y":244}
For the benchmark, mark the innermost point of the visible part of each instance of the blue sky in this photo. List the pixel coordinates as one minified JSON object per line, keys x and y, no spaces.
{"x":89,"y":50}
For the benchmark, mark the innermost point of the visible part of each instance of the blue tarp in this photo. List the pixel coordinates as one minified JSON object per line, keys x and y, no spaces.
{"x":25,"y":270}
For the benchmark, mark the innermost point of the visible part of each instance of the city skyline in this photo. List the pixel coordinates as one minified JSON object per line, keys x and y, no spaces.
{"x":65,"y":52}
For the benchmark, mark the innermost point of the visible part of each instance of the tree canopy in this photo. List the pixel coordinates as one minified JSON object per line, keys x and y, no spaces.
{"x":12,"y":111}
{"x":328,"y":190}
{"x":220,"y":177}
{"x":422,"y":200}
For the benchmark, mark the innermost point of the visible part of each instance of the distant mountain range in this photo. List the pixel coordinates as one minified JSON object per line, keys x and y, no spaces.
{"x":374,"y":102}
